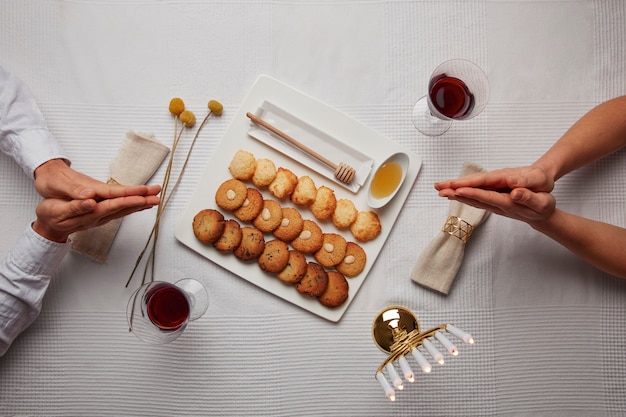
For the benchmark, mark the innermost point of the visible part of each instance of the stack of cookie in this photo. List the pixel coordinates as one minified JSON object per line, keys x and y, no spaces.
{"x":279,"y":238}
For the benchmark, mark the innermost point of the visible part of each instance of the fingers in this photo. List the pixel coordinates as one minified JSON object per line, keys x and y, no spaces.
{"x":108,"y":191}
{"x":54,"y":179}
{"x":540,"y":203}
{"x":57,"y":218}
{"x":520,"y":204}
{"x":493,"y":180}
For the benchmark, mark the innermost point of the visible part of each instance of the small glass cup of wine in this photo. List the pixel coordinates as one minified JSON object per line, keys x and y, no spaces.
{"x":158,"y":312}
{"x":458,"y":90}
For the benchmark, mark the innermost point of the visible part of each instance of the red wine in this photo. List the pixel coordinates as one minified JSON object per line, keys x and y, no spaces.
{"x":168,"y":307}
{"x":451,"y":97}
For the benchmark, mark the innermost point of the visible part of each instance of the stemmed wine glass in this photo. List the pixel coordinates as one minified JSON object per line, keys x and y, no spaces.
{"x":458,"y":90}
{"x":158,"y":312}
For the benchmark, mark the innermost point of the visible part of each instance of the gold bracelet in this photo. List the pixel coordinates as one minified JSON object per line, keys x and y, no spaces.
{"x":457,"y":227}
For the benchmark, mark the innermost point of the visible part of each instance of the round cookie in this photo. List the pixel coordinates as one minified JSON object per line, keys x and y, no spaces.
{"x":353,"y":262}
{"x":231,"y":194}
{"x":345,"y":213}
{"x":274,"y":257}
{"x":305,"y":191}
{"x":269,"y":218}
{"x":336,"y":292}
{"x":314,"y":282}
{"x":252,"y":244}
{"x":295,"y":269}
{"x":264,"y":173}
{"x":251,"y":207}
{"x":208,"y":225}
{"x":325,"y":203}
{"x":366,"y":226}
{"x":310,"y":239}
{"x":243,"y":165}
{"x":290,"y":226}
{"x":231,"y":238}
{"x":284,"y":183}
{"x":332,"y":251}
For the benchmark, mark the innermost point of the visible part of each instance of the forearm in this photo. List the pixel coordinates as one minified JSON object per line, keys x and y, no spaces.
{"x":598,"y":133}
{"x":600,"y":244}
{"x":25,"y":274}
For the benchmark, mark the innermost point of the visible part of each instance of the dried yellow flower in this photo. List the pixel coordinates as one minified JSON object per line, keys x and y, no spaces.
{"x":216,"y":107}
{"x":177,"y":106}
{"x":188,"y":118}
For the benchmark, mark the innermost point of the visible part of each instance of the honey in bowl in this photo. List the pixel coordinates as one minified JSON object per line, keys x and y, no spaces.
{"x":386,"y":179}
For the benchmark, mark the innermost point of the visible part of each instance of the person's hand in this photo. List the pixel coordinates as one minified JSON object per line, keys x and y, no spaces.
{"x":58,"y":218}
{"x":55,"y":179}
{"x":520,"y":204}
{"x":503,"y":180}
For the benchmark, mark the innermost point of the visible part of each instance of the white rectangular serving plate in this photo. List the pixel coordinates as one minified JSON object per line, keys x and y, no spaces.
{"x":333,"y":123}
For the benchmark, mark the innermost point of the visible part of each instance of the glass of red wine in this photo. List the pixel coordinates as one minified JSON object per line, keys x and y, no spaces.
{"x":458,"y":90}
{"x":158,"y":312}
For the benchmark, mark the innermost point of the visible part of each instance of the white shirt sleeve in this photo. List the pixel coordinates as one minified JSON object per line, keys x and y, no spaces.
{"x":26,"y":271}
{"x":24,"y":277}
{"x":24,"y":134}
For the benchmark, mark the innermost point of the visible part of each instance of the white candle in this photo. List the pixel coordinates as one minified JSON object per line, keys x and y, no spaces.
{"x":464,"y":336}
{"x":394,"y":376}
{"x":432,"y":350}
{"x":389,"y":392}
{"x":446,"y":343}
{"x":406,"y":369}
{"x":421,"y":360}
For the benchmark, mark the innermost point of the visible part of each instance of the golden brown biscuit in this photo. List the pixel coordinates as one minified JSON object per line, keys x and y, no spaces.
{"x":366,"y":226}
{"x":314,"y":282}
{"x":252,"y":244}
{"x":231,"y":238}
{"x":243,"y":165}
{"x":332,"y":251}
{"x":344,"y":214}
{"x":336,"y":292}
{"x":305,"y":191}
{"x":251,"y":207}
{"x":290,"y":226}
{"x":231,"y":194}
{"x":284,"y":183}
{"x":353,"y":262}
{"x":274,"y":257}
{"x":208,"y":225}
{"x":325,"y":203}
{"x":269,"y":218}
{"x":295,"y":269}
{"x":264,"y":173}
{"x":310,"y":239}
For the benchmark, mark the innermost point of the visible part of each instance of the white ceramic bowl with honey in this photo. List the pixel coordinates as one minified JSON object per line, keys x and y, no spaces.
{"x":387,"y":180}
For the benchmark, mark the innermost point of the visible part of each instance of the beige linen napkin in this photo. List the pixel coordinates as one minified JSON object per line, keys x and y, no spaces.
{"x":439,"y":263}
{"x":137,"y":160}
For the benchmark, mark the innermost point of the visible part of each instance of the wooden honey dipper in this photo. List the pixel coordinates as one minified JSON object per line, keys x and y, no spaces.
{"x":343,"y":172}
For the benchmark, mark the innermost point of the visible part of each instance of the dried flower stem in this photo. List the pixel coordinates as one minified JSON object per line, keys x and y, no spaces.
{"x":165,"y":199}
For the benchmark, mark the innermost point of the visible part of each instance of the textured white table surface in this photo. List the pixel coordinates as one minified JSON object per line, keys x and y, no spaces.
{"x":550,"y":329}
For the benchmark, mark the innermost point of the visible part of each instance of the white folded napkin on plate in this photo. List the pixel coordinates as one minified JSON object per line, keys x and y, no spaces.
{"x":137,"y":160}
{"x":439,"y":263}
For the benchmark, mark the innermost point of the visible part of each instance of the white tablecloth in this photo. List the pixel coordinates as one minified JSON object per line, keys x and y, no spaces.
{"x":549,"y":328}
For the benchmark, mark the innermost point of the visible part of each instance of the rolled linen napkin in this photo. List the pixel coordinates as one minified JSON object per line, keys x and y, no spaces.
{"x":137,"y":160}
{"x":440,"y":261}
